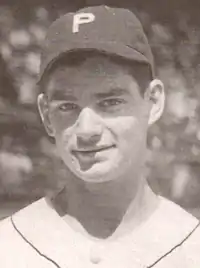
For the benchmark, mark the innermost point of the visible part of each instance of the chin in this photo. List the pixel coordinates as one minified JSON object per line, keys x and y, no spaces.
{"x":97,"y":173}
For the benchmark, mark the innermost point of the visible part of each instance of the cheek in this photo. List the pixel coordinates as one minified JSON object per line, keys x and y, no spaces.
{"x":61,"y":123}
{"x":61,"y":128}
{"x":122,"y":125}
{"x":129,"y":131}
{"x":64,"y":136}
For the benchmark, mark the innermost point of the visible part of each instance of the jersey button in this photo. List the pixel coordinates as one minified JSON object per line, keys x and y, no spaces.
{"x":95,"y":259}
{"x":96,"y":254}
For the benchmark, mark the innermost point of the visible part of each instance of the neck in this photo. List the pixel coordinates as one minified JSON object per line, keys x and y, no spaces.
{"x":107,"y":208}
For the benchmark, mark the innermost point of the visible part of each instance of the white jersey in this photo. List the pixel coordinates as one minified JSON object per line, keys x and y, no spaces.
{"x":37,"y":237}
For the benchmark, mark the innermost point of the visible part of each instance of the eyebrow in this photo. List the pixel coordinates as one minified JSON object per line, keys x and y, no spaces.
{"x":112,"y":92}
{"x":57,"y":95}
{"x":60,"y":96}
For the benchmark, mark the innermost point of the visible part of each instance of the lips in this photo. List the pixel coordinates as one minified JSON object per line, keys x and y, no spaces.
{"x":92,"y":150}
{"x":87,"y":157}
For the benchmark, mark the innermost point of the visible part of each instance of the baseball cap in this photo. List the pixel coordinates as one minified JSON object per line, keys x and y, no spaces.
{"x":114,"y":31}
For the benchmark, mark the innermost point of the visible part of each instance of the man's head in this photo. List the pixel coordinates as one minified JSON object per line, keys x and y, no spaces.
{"x":98,"y":100}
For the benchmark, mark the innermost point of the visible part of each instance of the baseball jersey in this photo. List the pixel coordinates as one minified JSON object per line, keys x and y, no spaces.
{"x":37,"y":237}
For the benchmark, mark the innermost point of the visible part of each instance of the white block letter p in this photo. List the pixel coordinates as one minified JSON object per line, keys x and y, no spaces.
{"x":82,"y":18}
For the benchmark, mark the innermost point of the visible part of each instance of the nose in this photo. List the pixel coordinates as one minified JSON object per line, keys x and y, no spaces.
{"x":88,"y":128}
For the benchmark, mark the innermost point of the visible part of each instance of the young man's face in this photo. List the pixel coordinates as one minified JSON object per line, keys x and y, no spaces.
{"x":99,"y":119}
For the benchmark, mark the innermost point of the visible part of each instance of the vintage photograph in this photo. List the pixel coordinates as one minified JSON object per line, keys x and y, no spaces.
{"x":99,"y":134}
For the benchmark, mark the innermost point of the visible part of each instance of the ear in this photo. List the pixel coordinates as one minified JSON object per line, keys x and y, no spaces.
{"x":44,"y":114}
{"x":156,"y":95}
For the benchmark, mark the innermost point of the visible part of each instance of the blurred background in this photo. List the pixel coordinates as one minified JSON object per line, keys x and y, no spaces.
{"x":28,"y":160}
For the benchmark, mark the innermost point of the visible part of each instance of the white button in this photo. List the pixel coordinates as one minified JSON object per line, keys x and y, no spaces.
{"x":95,"y":259}
{"x":96,"y":253}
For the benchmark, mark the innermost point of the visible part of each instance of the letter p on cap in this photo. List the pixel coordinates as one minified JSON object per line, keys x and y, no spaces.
{"x":81,"y":18}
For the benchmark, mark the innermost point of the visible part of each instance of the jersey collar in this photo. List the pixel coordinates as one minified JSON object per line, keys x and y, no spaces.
{"x":165,"y":229}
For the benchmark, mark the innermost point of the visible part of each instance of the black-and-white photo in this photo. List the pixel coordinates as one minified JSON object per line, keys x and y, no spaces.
{"x":99,"y":134}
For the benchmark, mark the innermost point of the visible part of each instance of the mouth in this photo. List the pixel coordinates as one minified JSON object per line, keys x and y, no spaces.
{"x":90,"y":156}
{"x":92,"y":150}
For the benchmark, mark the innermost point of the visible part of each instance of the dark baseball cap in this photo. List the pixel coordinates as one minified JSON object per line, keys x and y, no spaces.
{"x":114,"y":31}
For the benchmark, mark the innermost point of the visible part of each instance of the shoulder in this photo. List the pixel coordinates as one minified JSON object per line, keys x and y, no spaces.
{"x":172,"y":218}
{"x":13,"y":243}
{"x":9,"y":233}
{"x":181,"y":220}
{"x":7,"y":223}
{"x":10,"y":244}
{"x":6,"y":231}
{"x":178,"y":222}
{"x":10,"y":240}
{"x":191,"y":247}
{"x":186,"y":228}
{"x":168,"y":208}
{"x":163,"y":237}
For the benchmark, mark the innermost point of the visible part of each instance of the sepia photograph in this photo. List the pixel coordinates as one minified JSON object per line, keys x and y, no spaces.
{"x":99,"y":134}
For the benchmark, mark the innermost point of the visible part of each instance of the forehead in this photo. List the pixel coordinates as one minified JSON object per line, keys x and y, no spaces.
{"x":97,"y":73}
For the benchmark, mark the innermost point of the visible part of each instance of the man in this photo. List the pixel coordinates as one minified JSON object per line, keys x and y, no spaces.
{"x":99,"y":96}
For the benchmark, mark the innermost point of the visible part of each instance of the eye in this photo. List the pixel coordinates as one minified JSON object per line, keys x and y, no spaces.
{"x":110,"y":102}
{"x":67,"y":106}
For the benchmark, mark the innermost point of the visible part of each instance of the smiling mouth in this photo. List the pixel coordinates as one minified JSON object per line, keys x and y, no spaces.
{"x":89,"y":157}
{"x":93,"y":150}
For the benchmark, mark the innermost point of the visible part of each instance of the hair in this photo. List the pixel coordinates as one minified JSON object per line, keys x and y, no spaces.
{"x":140,"y":71}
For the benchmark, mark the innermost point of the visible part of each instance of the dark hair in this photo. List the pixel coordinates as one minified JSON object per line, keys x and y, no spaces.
{"x":140,"y":71}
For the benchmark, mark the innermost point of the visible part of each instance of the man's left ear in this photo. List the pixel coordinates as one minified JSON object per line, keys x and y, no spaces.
{"x":156,"y":95}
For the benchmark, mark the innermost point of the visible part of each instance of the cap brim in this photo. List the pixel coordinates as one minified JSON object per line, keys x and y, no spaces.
{"x":114,"y":49}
